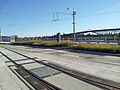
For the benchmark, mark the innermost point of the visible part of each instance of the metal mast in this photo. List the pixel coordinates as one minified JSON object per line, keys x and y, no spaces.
{"x":73,"y":16}
{"x":73,"y":13}
{"x":0,"y":35}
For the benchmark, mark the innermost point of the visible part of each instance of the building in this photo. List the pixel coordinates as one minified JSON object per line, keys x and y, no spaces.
{"x":4,"y":39}
{"x":13,"y":38}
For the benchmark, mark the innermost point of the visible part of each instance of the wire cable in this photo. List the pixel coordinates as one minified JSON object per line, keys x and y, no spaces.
{"x":65,"y":19}
{"x":103,"y":13}
{"x":3,"y":4}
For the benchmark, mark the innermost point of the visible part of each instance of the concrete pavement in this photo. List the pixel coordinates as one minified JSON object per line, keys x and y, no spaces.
{"x":8,"y":80}
{"x":60,"y":80}
{"x":104,"y":66}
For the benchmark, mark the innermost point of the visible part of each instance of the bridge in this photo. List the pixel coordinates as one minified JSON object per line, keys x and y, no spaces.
{"x":96,"y":35}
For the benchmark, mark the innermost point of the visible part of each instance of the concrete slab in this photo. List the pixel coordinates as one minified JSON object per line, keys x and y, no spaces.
{"x":33,"y":66}
{"x":13,"y":55}
{"x":45,"y":71}
{"x":66,"y":82}
{"x":8,"y":81}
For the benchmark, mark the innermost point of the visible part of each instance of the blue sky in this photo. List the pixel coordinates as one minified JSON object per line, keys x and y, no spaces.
{"x":33,"y":17}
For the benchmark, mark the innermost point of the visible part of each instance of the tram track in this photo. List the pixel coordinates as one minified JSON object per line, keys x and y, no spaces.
{"x":96,"y":81}
{"x":40,"y":83}
{"x":97,"y":61}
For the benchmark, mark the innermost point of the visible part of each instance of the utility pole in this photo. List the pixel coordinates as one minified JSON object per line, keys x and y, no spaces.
{"x":0,"y":35}
{"x":74,"y":13}
{"x":55,"y":18}
{"x":73,"y":16}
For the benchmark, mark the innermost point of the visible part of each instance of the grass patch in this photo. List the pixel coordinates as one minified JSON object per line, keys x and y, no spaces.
{"x":49,"y":44}
{"x":46,"y":44}
{"x":99,"y":47}
{"x":69,"y":44}
{"x":24,"y":43}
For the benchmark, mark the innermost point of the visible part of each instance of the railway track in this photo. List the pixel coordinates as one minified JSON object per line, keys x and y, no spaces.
{"x":96,"y":81}
{"x":40,"y":83}
{"x":110,"y":63}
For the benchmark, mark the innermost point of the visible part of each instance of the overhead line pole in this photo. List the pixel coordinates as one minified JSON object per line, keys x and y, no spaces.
{"x":0,"y":35}
{"x":74,"y":13}
{"x":73,"y":16}
{"x":73,"y":21}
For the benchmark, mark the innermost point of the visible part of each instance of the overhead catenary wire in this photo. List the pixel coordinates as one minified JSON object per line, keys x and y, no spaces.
{"x":91,"y":15}
{"x":103,"y":13}
{"x":56,"y":18}
{"x":3,"y":5}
